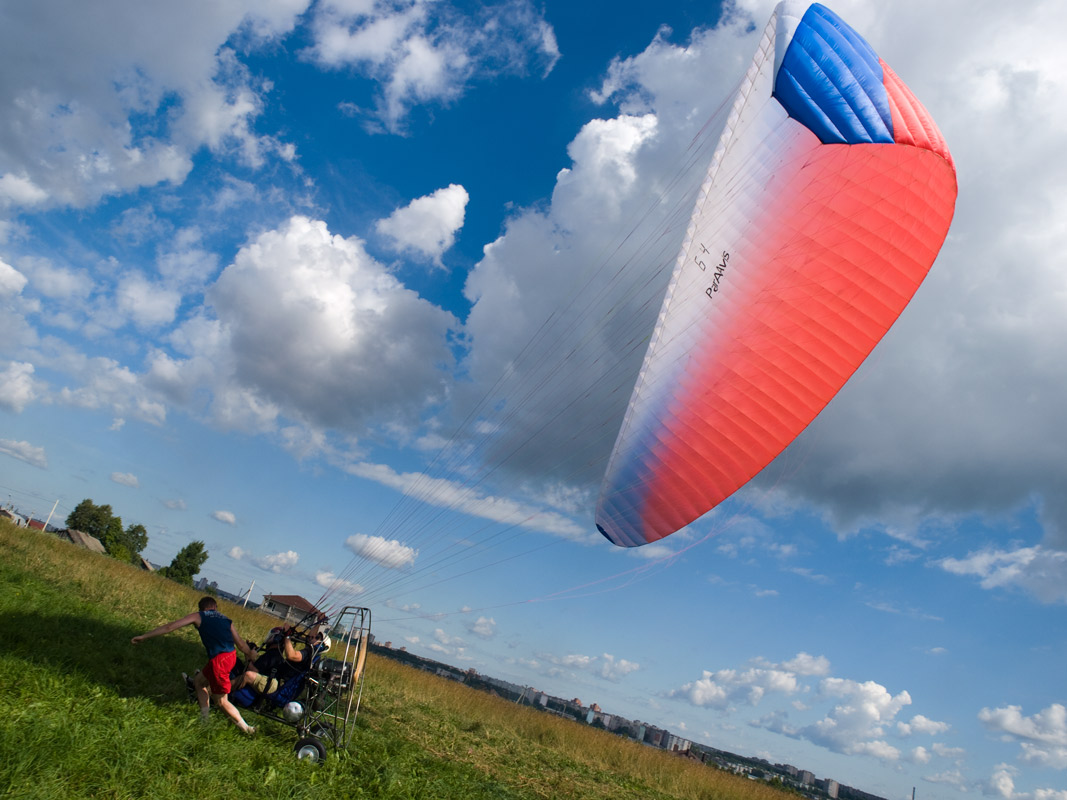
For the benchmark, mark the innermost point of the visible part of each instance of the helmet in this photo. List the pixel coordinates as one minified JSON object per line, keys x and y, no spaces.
{"x":325,"y":643}
{"x":293,"y":711}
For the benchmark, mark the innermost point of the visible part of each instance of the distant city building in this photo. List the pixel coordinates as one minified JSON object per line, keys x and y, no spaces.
{"x":646,"y":733}
{"x":676,"y":744}
{"x":828,"y":785}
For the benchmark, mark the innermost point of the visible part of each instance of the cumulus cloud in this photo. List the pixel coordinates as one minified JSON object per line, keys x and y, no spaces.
{"x":605,"y":666}
{"x":806,"y":664}
{"x":147,"y":304}
{"x":388,"y":553}
{"x":328,"y":580}
{"x":306,"y":325}
{"x":24,"y":451}
{"x":1041,"y":571}
{"x":922,"y":725}
{"x":104,"y":383}
{"x":483,"y":627}
{"x":614,"y":669}
{"x":427,"y":226}
{"x":276,"y":562}
{"x":725,"y":687}
{"x":447,"y":644}
{"x":1042,"y":737}
{"x":11,"y":280}
{"x":17,"y":386}
{"x":1002,"y":784}
{"x":125,"y":479}
{"x":225,"y":517}
{"x":857,"y":724}
{"x":70,"y":125}
{"x":428,"y":52}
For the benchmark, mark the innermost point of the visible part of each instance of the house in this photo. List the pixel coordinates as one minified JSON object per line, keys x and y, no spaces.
{"x":82,"y":540}
{"x":290,"y":607}
{"x":12,"y":516}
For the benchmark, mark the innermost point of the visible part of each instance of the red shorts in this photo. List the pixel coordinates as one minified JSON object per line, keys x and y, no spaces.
{"x":217,"y":671}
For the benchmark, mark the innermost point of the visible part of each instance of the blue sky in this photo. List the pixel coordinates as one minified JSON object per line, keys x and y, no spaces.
{"x":354,"y":292}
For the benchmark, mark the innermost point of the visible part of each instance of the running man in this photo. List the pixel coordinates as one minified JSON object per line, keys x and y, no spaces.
{"x":220,"y":639}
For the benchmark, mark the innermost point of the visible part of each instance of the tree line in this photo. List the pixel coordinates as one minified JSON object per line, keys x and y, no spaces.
{"x":126,"y":544}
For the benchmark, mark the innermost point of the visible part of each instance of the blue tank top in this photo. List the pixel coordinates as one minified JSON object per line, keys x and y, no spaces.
{"x":215,"y":632}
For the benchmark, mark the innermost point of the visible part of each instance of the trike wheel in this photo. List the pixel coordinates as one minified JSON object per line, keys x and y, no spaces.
{"x":311,"y":749}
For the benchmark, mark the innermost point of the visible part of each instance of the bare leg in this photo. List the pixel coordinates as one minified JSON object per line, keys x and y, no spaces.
{"x":223,"y":702}
{"x":202,"y":694}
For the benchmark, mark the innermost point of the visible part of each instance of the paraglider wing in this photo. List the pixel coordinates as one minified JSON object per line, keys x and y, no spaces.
{"x":826,"y":202}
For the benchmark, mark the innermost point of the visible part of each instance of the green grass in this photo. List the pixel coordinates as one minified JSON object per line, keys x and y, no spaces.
{"x":83,"y":713}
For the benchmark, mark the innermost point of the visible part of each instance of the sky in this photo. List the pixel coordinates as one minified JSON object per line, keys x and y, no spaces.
{"x":354,"y":292}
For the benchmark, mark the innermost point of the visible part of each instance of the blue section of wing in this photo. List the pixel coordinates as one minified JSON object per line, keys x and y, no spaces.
{"x":831,"y":81}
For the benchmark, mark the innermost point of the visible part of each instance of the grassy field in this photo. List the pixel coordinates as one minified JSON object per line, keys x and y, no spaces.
{"x":83,"y":713}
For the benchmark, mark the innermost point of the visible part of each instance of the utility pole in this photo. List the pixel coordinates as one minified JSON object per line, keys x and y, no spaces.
{"x":53,"y":511}
{"x":249,"y":594}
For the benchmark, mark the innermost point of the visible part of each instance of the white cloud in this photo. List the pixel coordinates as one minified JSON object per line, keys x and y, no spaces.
{"x":725,"y":687}
{"x":107,"y":384}
{"x":614,"y":669}
{"x":922,"y":725}
{"x":11,"y":280}
{"x":225,"y":517}
{"x":175,"y":504}
{"x":388,"y":553}
{"x":329,"y":580}
{"x":58,"y":283}
{"x":428,"y":52}
{"x":276,"y":562}
{"x":70,"y":115}
{"x":483,"y":627}
{"x":955,"y":753}
{"x":604,"y":666}
{"x":1002,"y":784}
{"x":427,"y":225}
{"x":858,"y":723}
{"x":17,"y":386}
{"x":125,"y":479}
{"x":806,"y":664}
{"x":1041,"y":571}
{"x":462,"y":497}
{"x":24,"y":451}
{"x":449,"y":641}
{"x":919,"y":755}
{"x":1042,"y":736}
{"x":148,"y":305}
{"x":307,"y":325}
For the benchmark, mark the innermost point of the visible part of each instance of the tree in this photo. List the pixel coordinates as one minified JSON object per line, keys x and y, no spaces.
{"x":99,"y":521}
{"x":90,"y":518}
{"x":186,"y":564}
